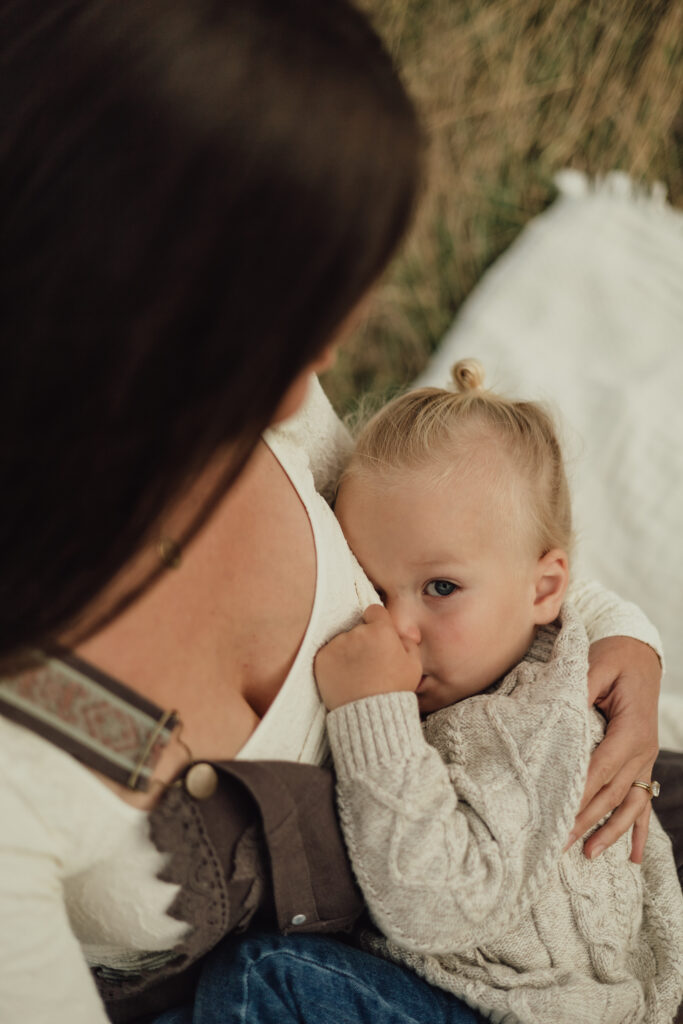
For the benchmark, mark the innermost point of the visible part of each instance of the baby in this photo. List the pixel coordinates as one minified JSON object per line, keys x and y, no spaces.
{"x":456,"y":812}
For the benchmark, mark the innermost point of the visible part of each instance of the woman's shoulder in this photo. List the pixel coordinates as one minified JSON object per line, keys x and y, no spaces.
{"x":316,"y":437}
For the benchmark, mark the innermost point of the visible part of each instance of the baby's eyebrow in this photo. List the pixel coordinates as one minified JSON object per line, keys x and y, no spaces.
{"x":449,"y":559}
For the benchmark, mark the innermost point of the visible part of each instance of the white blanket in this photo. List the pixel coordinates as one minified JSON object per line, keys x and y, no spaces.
{"x":585,"y":311}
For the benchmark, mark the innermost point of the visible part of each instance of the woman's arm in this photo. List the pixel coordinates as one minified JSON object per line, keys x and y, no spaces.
{"x":605,"y":614}
{"x":623,"y":681}
{"x":44,"y":978}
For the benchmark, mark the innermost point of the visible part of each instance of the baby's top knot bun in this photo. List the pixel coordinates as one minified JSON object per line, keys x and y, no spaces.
{"x":467,"y":375}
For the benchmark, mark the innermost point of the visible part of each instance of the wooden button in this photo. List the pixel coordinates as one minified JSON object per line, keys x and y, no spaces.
{"x":201,"y":781}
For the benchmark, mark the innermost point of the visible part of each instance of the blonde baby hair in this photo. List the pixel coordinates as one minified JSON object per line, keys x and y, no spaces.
{"x":444,"y":427}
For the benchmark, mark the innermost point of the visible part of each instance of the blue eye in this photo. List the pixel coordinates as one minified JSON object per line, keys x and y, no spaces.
{"x":440,"y":588}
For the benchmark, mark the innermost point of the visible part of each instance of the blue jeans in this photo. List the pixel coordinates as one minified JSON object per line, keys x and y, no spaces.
{"x":311,"y":979}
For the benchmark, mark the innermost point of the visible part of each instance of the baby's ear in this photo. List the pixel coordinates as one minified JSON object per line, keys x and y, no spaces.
{"x":552,"y":579}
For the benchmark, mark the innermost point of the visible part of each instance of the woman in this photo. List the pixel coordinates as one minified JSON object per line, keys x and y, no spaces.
{"x":197,"y":195}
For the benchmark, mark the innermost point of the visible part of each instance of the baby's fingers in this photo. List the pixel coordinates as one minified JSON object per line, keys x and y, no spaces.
{"x":376,"y":613}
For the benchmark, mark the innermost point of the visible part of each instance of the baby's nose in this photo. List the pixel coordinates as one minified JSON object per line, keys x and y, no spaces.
{"x":405,"y":620}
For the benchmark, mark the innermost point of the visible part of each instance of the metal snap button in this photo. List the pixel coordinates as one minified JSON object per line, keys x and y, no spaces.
{"x":299,"y":919}
{"x":201,"y":781}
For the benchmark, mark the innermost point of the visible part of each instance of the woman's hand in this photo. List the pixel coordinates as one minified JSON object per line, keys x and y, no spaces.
{"x":623,"y":681}
{"x":370,"y":659}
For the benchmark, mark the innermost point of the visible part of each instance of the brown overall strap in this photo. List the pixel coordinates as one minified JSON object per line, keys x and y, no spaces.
{"x":87,"y":713}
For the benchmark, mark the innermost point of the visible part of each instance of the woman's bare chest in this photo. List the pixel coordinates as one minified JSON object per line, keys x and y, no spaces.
{"x":216,"y":638}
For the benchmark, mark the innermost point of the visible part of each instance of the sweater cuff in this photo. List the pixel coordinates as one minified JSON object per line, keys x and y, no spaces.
{"x":372,"y":731}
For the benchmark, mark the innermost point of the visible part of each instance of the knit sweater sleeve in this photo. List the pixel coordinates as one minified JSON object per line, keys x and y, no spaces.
{"x":450,"y":845}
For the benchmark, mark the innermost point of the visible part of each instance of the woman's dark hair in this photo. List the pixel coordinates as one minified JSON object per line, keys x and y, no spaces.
{"x":193,"y":195}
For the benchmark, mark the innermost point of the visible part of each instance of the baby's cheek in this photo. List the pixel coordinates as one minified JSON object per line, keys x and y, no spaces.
{"x":462,"y":636}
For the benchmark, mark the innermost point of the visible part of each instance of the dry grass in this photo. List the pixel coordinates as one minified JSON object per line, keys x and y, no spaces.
{"x":510,"y":91}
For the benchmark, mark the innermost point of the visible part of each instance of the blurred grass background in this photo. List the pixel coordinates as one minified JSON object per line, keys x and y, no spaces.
{"x":509,"y":91}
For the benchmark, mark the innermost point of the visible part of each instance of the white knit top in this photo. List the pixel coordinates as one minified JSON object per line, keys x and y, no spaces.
{"x":455,"y":831}
{"x":77,"y":868}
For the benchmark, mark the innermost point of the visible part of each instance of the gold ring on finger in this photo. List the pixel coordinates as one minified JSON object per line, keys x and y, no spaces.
{"x":653,"y":788}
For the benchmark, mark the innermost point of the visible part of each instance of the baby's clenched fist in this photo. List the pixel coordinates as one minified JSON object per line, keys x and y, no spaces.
{"x":370,"y":659}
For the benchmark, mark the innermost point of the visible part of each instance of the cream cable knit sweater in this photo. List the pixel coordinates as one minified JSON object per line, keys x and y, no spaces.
{"x":455,"y":829}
